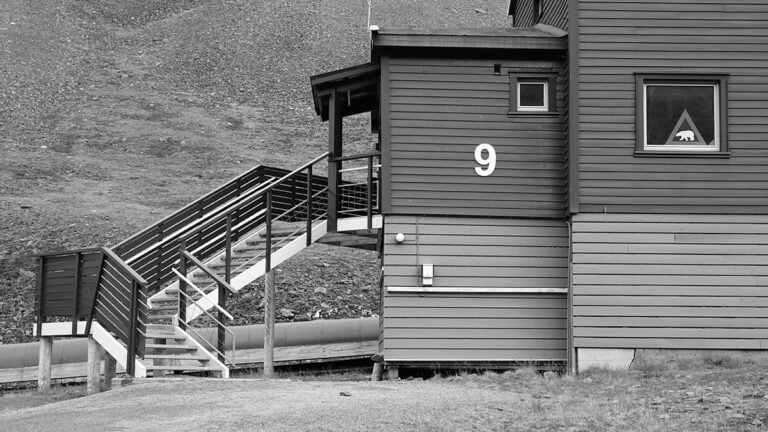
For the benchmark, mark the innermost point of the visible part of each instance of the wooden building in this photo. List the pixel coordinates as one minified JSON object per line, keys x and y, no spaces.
{"x":586,"y":184}
{"x":590,"y":182}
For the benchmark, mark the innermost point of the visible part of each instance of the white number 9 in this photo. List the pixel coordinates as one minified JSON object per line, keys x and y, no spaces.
{"x":489,"y":163}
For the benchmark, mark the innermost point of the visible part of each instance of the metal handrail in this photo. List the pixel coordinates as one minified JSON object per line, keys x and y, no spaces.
{"x":202,"y":294}
{"x":187,"y":326}
{"x":201,"y":339}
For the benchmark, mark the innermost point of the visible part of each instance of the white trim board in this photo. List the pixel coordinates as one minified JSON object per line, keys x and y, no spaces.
{"x":474,"y":290}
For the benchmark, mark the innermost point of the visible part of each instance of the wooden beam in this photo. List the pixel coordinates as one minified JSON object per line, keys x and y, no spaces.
{"x":110,"y":369}
{"x":269,"y":324}
{"x":94,"y":366}
{"x":44,"y":364}
{"x":335,"y":151}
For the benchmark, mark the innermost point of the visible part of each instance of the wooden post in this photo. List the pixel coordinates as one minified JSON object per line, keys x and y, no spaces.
{"x":110,"y":369}
{"x":94,"y":366}
{"x":378,"y":369}
{"x":309,"y":205}
{"x":133,"y":324}
{"x":44,"y":364}
{"x":334,"y":167}
{"x":393,"y":373}
{"x":269,"y":324}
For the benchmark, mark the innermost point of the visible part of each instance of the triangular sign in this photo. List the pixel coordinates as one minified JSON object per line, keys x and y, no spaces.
{"x":685,"y":132}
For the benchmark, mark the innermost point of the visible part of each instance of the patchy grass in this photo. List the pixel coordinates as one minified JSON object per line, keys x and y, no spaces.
{"x":29,"y":397}
{"x":672,"y":396}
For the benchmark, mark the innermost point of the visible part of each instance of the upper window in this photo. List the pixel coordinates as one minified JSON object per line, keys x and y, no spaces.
{"x":532,"y":93}
{"x":681,"y":114}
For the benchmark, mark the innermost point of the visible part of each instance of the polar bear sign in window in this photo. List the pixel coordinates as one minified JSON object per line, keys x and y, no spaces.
{"x":681,"y":115}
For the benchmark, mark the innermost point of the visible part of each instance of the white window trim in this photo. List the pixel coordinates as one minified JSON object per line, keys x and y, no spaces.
{"x":692,"y":148}
{"x":534,"y":108}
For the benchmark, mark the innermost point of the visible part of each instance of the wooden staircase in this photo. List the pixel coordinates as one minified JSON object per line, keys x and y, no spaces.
{"x":288,"y":210}
{"x":170,"y":349}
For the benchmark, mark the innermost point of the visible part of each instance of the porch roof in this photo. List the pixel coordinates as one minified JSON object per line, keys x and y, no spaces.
{"x":358,"y":87}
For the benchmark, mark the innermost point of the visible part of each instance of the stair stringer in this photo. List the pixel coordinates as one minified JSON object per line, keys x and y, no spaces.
{"x":257,"y":270}
{"x":116,"y":349}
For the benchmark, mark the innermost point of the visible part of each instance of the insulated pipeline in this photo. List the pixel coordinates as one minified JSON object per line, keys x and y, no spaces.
{"x":318,"y":332}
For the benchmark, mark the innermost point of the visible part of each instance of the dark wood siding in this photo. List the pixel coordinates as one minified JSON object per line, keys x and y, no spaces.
{"x":438,"y":111}
{"x":482,"y":256}
{"x":670,"y":281}
{"x":69,"y":283}
{"x":619,"y":38}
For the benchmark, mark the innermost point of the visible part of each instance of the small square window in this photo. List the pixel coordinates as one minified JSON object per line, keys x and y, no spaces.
{"x":532,"y":93}
{"x":681,"y":114}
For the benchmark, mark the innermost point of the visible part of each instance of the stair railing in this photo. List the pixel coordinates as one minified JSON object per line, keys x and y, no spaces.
{"x":355,"y":195}
{"x":120,"y":305}
{"x":289,"y":194}
{"x":220,"y":346}
{"x":186,"y":258}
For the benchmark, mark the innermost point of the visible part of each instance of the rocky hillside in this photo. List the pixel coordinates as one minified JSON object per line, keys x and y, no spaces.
{"x":117,"y":112}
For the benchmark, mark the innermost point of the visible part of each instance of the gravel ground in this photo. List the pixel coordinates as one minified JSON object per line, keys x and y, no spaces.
{"x":116,"y":113}
{"x":721,"y":394}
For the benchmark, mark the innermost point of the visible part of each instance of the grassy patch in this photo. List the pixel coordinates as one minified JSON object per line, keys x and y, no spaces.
{"x":29,"y":397}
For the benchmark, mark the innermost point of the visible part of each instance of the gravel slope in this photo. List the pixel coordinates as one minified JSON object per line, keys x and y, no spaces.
{"x":115,"y":113}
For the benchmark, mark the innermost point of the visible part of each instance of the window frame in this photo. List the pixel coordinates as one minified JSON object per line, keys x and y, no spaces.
{"x":549,"y":79}
{"x":720,"y":84}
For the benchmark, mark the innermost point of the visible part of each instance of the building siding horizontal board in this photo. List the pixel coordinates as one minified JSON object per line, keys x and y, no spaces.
{"x":618,"y":39}
{"x":439,"y":111}
{"x":475,"y":253}
{"x":670,"y":281}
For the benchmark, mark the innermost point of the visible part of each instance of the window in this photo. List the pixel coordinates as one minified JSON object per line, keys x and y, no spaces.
{"x":681,"y":114}
{"x":532,"y":93}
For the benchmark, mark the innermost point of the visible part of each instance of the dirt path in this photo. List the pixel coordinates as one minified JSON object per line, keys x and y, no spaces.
{"x":655,"y":398}
{"x":274,"y":406}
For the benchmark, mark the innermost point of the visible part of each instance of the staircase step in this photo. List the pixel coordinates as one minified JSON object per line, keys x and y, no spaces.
{"x":166,"y":336}
{"x":182,"y":368}
{"x":170,"y":347}
{"x":167,"y":306}
{"x":176,"y":357}
{"x":157,"y":317}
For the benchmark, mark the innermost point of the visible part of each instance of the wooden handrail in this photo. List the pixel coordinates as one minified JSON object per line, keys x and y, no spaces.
{"x":261,"y":191}
{"x":137,"y":277}
{"x":187,"y":207}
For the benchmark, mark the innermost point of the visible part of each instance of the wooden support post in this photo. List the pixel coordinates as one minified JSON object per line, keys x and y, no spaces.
{"x":44,"y":363}
{"x":110,"y":370}
{"x":378,"y":369}
{"x":94,"y":366}
{"x":269,"y":324}
{"x":393,"y":374}
{"x":334,"y":168}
